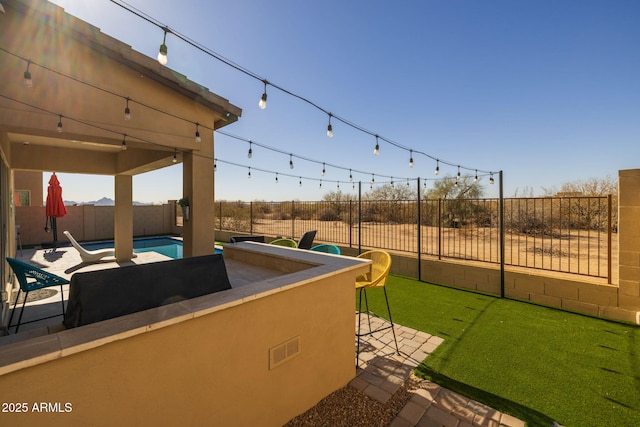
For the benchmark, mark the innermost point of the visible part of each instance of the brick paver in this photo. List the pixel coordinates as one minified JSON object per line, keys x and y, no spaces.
{"x":381,"y":372}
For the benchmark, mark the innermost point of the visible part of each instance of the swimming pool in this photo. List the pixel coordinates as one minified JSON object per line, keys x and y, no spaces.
{"x":167,"y":246}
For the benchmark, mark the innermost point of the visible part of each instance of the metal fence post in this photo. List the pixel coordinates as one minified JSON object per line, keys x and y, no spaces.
{"x":359,"y":217}
{"x":250,"y":217}
{"x":350,"y":224}
{"x":439,"y":228}
{"x":501,"y":213}
{"x":293,"y":219}
{"x":609,"y":238}
{"x":419,"y":235}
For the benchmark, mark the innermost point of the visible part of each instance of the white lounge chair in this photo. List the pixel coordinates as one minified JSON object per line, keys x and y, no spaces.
{"x":89,"y":256}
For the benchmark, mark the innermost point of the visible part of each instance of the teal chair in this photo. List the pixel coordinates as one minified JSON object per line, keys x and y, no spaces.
{"x":290,"y":243}
{"x":326,"y":248}
{"x":31,"y":279}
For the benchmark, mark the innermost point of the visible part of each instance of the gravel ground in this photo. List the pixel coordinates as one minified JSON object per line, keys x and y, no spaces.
{"x":351,"y":407}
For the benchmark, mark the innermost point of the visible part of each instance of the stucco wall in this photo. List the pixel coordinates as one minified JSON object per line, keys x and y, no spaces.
{"x":209,"y":369}
{"x":89,"y":222}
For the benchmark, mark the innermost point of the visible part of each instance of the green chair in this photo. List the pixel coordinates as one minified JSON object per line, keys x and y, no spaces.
{"x":326,"y":248}
{"x":31,"y":279}
{"x":285,"y":242}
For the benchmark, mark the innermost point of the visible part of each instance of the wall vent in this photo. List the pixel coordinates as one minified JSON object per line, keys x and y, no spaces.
{"x":284,"y":352}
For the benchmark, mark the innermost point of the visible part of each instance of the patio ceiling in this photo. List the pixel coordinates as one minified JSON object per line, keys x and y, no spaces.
{"x":81,"y":78}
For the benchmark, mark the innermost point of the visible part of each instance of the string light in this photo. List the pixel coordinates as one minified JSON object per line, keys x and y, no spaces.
{"x":162,"y":54}
{"x":215,"y":165}
{"x":163,"y":59}
{"x":376,"y":150}
{"x":175,"y":158}
{"x":320,"y":183}
{"x":27,"y":75}
{"x":290,"y":161}
{"x":476,"y":178}
{"x":323,"y":169}
{"x":373,"y":179}
{"x":338,"y":186}
{"x":392,"y":181}
{"x":263,"y":100}
{"x":127,"y":111}
{"x":437,"y":167}
{"x":60,"y":124}
{"x":300,"y":181}
{"x":350,"y":176}
{"x":491,"y":180}
{"x":250,"y":152}
{"x":198,"y":139}
{"x":411,"y":164}
{"x":167,"y":30}
{"x":249,"y":174}
{"x":353,"y":186}
{"x":458,"y":176}
{"x":124,"y":142}
{"x":276,"y":177}
{"x":330,"y":128}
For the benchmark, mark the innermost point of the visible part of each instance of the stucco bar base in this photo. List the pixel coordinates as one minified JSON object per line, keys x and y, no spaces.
{"x":257,"y":354}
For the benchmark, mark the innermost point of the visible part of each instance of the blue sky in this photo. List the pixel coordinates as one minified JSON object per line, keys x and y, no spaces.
{"x":546,"y":91}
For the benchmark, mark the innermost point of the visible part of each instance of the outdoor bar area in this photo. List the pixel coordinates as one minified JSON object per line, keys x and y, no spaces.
{"x":285,"y":327}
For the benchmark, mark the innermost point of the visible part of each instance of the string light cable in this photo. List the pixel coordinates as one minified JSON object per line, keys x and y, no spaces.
{"x":187,"y":120}
{"x":266,"y":82}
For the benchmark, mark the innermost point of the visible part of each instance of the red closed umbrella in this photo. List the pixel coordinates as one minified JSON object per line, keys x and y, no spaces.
{"x":54,"y":207}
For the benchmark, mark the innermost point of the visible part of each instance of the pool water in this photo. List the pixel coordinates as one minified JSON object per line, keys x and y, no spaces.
{"x":167,"y":246}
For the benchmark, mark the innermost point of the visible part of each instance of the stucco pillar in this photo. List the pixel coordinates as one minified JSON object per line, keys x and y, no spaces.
{"x":123,"y":217}
{"x":629,"y":239}
{"x":197,"y":185}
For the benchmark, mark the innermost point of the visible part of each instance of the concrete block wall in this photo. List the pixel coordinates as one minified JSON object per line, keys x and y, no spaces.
{"x":629,"y":240}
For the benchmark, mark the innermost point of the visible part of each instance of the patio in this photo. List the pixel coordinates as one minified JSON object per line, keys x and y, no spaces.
{"x":383,"y":376}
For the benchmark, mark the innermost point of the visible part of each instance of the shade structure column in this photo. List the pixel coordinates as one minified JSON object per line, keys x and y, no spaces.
{"x":197,"y":185}
{"x":123,"y":217}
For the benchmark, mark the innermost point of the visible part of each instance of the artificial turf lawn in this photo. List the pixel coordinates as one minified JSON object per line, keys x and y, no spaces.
{"x":536,"y":363}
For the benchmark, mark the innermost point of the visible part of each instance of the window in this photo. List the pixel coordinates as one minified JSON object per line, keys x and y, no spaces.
{"x":22,"y":197}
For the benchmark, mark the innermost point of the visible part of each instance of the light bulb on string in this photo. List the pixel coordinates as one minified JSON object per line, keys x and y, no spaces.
{"x":320,"y":184}
{"x":411,"y":164}
{"x":323,"y":169}
{"x":491,"y":180}
{"x":123,"y":147}
{"x":392,"y":181}
{"x":407,"y":182}
{"x":250,"y":152}
{"x":350,"y":176}
{"x":476,"y":178}
{"x":373,"y":179}
{"x":215,"y":165}
{"x":300,"y":182}
{"x":162,"y":54}
{"x":437,"y":167}
{"x":338,"y":186}
{"x":290,"y":161}
{"x":376,"y":150}
{"x":330,"y":128}
{"x":263,"y":100}
{"x":249,"y":173}
{"x":276,"y":177}
{"x":458,"y":176}
{"x":127,"y":111}
{"x":175,"y":157}
{"x":353,"y":186}
{"x":27,"y":75}
{"x":198,"y":139}
{"x":60,"y":124}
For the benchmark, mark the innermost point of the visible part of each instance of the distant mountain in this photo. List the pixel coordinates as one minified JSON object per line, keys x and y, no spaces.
{"x":105,"y":201}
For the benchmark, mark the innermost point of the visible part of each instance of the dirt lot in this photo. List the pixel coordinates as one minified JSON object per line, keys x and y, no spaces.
{"x":580,"y":252}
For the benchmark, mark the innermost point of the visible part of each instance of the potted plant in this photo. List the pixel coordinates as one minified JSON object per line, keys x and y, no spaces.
{"x":184,"y":204}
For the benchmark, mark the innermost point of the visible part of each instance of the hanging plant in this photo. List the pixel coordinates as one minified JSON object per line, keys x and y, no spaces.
{"x":183,"y":202}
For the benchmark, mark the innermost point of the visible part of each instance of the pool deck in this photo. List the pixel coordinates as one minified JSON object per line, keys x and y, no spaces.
{"x":381,"y":373}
